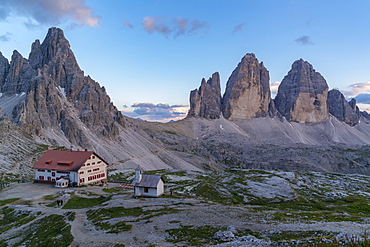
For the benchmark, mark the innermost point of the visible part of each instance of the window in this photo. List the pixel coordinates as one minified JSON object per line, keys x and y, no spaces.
{"x":93,"y":157}
{"x":93,"y":163}
{"x":82,"y":172}
{"x":89,"y":171}
{"x":40,"y":170}
{"x":146,"y":190}
{"x":41,"y":177}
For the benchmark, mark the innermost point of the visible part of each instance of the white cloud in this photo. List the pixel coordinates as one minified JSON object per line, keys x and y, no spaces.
{"x":356,"y":89}
{"x":157,"y":112}
{"x":274,"y":86}
{"x":364,"y":107}
{"x":49,"y":12}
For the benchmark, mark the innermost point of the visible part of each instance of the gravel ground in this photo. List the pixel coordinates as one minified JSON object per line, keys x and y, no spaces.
{"x":145,"y":232}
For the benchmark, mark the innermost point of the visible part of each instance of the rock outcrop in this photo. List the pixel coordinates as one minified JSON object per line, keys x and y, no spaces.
{"x":302,"y":95}
{"x":19,"y":77}
{"x":247,"y":93}
{"x":205,"y":102}
{"x":341,"y":109}
{"x":4,"y":69}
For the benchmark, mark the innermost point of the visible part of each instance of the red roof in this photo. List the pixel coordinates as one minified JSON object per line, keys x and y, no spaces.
{"x":63,"y":160}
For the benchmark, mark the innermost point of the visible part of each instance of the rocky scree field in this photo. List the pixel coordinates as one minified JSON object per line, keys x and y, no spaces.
{"x":235,"y":207}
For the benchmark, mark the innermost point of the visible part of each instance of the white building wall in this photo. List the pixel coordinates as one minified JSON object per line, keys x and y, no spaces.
{"x":160,"y":188}
{"x":94,"y":168}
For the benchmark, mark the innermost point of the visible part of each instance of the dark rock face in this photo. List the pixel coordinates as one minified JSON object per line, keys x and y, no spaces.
{"x":205,"y":102}
{"x":4,"y":69}
{"x":302,"y":95}
{"x":59,"y":96}
{"x":341,"y":109}
{"x":247,"y":93}
{"x":19,"y":77}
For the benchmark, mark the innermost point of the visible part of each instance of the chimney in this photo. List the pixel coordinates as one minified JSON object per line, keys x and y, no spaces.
{"x":137,"y":174}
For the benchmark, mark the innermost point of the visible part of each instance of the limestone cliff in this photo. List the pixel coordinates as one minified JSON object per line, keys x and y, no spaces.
{"x":302,"y":95}
{"x":205,"y":102}
{"x":4,"y":69}
{"x":247,"y":93}
{"x":57,"y":91}
{"x":341,"y":109}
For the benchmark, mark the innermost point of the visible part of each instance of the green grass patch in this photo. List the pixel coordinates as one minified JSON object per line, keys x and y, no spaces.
{"x":70,"y":216}
{"x":112,"y":190}
{"x":195,"y":236}
{"x":8,"y":201}
{"x":12,"y":218}
{"x":114,"y":212}
{"x":100,"y":218}
{"x":81,"y":202}
{"x":50,"y":197}
{"x":51,"y":230}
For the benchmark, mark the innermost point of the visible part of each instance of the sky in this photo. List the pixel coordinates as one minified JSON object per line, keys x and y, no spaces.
{"x":149,"y":55}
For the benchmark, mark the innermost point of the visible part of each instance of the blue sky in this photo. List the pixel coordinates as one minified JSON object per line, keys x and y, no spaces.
{"x":150,"y":54}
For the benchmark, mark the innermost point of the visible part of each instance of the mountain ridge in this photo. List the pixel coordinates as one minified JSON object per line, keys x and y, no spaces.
{"x":52,"y":101}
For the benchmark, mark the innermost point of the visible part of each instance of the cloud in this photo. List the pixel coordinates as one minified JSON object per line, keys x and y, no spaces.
{"x":5,"y":37}
{"x":151,"y":24}
{"x":363,"y":98}
{"x":157,"y":112}
{"x":274,"y":86}
{"x":175,"y":27}
{"x":49,"y":12}
{"x":238,"y":28}
{"x":128,"y":24}
{"x":356,"y":89}
{"x":304,"y":40}
{"x":364,"y":107}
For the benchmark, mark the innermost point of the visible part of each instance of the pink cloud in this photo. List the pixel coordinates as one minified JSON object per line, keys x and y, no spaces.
{"x":128,"y":24}
{"x":152,"y":24}
{"x":46,"y":12}
{"x":178,"y":26}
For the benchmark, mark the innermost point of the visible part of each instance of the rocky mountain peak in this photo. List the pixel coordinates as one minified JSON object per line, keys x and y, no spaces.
{"x":205,"y":102}
{"x":56,"y":95}
{"x":302,"y":94}
{"x":55,"y":52}
{"x":247,"y":93}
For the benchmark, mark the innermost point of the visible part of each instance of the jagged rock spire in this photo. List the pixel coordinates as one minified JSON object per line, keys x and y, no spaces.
{"x":247,"y":92}
{"x":205,"y":102}
{"x":302,"y":94}
{"x":19,"y":75}
{"x":341,"y":109}
{"x":4,"y":70}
